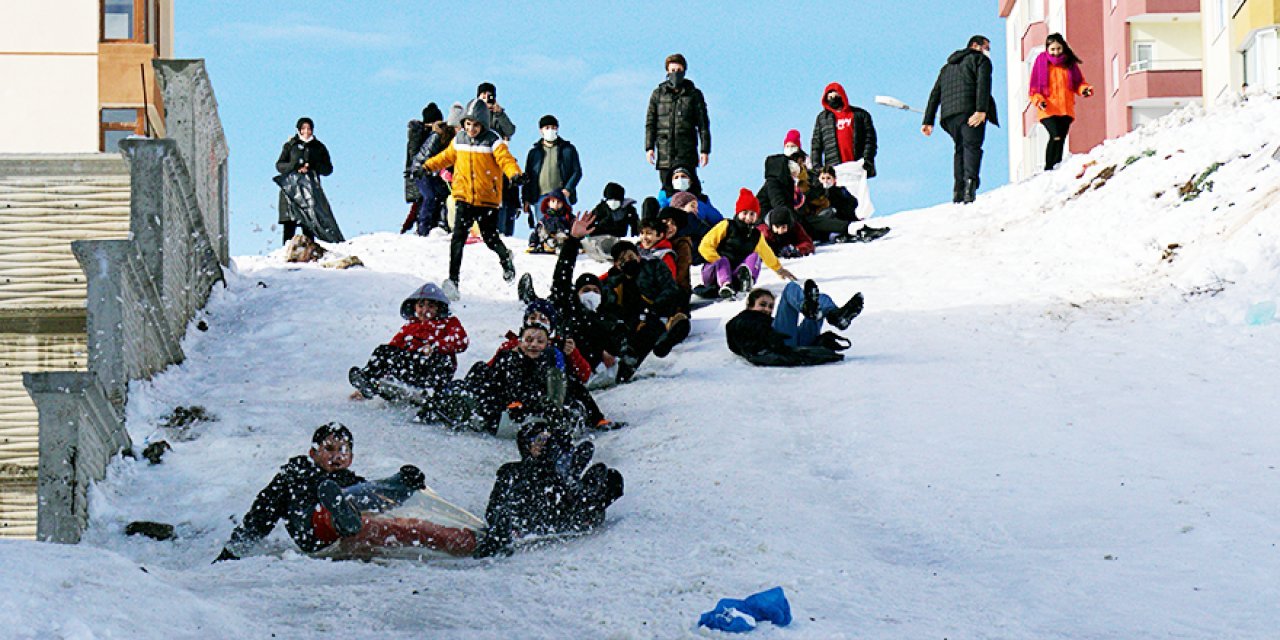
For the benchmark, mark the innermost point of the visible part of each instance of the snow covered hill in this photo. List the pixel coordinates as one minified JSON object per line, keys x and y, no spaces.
{"x":1054,"y":423}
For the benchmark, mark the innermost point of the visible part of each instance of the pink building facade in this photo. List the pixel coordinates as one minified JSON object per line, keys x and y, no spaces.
{"x":1143,"y":58}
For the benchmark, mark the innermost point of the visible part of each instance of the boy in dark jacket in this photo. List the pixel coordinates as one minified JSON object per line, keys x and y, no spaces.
{"x":321,"y":500}
{"x":422,"y":356}
{"x":552,"y":165}
{"x":768,"y":341}
{"x":546,"y":492}
{"x":644,"y":297}
{"x":429,"y":211}
{"x":785,"y":237}
{"x":552,"y":223}
{"x":615,"y":215}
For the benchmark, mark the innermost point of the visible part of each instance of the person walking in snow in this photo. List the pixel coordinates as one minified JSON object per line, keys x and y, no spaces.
{"x":321,"y":501}
{"x":422,"y":356}
{"x":793,"y":337}
{"x":552,"y":165}
{"x":675,"y":125}
{"x":1056,"y":80}
{"x":734,"y":250}
{"x":550,"y":490}
{"x":963,"y":94}
{"x":303,"y":205}
{"x":480,"y":158}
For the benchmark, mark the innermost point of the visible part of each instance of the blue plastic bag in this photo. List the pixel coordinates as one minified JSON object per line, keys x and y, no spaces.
{"x":740,"y":616}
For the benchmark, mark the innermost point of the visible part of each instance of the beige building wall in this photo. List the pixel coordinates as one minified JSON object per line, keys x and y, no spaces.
{"x":1175,"y":45}
{"x":48,"y":59}
{"x":1219,"y":77}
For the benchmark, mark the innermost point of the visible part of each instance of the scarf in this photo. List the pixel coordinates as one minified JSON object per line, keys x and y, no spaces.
{"x":1040,"y":74}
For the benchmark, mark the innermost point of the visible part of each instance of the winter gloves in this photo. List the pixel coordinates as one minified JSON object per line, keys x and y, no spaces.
{"x":412,"y":478}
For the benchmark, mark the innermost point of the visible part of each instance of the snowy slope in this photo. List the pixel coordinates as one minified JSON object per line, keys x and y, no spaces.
{"x":1044,"y":430}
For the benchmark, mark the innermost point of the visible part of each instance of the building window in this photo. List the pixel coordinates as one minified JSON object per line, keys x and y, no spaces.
{"x":1142,"y":56}
{"x":116,"y":125}
{"x":124,"y":20}
{"x":1115,"y":74}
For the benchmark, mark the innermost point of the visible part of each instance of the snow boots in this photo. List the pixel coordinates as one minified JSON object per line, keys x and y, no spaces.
{"x":508,"y":268}
{"x":841,"y":317}
{"x":677,"y":330}
{"x":524,"y":289}
{"x":809,"y":308}
{"x":362,"y":383}
{"x":346,"y":518}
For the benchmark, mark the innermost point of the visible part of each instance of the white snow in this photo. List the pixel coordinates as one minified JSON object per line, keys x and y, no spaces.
{"x":1043,"y":430}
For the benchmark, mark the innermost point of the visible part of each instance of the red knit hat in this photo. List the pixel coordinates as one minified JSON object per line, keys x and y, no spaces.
{"x":793,"y":137}
{"x":747,"y":202}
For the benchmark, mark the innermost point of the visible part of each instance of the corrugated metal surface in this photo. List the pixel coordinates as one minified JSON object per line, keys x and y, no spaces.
{"x":39,"y":217}
{"x":18,"y":506}
{"x":18,"y":418}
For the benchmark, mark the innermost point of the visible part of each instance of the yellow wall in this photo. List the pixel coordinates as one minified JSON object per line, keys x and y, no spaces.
{"x":1181,"y":40}
{"x":1254,"y":14}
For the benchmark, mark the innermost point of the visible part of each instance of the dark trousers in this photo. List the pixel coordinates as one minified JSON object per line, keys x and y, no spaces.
{"x":431,"y":209}
{"x":695,"y":185}
{"x":967,"y":162}
{"x":1058,"y":127}
{"x":291,"y":229}
{"x":487,"y":218}
{"x":410,"y":367}
{"x":510,"y":209}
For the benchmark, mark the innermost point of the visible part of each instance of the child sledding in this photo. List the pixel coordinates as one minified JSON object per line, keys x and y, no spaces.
{"x":421,"y":358}
{"x":793,"y":337}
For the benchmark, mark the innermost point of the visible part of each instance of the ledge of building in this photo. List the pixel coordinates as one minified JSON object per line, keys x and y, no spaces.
{"x":62,"y":164}
{"x":58,"y":320}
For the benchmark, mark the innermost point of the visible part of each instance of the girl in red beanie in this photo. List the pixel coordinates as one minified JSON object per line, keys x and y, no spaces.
{"x":734,"y":250}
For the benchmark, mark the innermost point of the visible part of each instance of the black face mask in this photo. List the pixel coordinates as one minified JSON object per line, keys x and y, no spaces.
{"x":675,"y":78}
{"x":631,"y":269}
{"x":835,"y":102}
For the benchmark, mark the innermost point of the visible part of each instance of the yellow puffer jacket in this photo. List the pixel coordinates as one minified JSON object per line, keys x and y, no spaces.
{"x":478,"y":167}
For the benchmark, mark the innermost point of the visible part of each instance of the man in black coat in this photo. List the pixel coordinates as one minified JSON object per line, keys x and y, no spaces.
{"x":598,"y":336}
{"x":303,"y":153}
{"x":546,"y":492}
{"x":963,"y":92}
{"x":675,"y":125}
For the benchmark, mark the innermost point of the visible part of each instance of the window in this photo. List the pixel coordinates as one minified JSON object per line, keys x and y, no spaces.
{"x":1115,"y":74}
{"x":124,"y":20}
{"x":1143,"y":56}
{"x":118,"y":124}
{"x":1037,"y":11}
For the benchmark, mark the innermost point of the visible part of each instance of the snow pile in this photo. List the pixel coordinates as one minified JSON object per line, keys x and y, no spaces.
{"x":1036,"y":434}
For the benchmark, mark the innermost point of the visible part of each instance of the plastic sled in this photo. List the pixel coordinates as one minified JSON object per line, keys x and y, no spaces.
{"x":406,"y":525}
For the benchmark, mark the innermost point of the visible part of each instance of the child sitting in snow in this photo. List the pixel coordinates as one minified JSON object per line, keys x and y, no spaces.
{"x":320,"y":500}
{"x":654,"y":244}
{"x":784,"y":236}
{"x":568,"y":358}
{"x":553,"y":222}
{"x":422,"y":356}
{"x":734,"y":249}
{"x":769,"y":341}
{"x":546,"y":492}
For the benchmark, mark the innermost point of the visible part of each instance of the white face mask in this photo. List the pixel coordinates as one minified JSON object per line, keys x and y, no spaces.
{"x":681,"y":184}
{"x":550,"y":135}
{"x":590,"y":299}
{"x":614,"y":204}
{"x":987,"y":53}
{"x":790,"y":150}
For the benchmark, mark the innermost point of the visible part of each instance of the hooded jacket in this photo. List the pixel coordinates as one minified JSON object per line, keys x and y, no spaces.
{"x":676,"y":124}
{"x":552,"y":222}
{"x":779,"y":188}
{"x":963,"y":88}
{"x":478,"y":163}
{"x":567,"y":162}
{"x":824,"y":147}
{"x":794,"y":237}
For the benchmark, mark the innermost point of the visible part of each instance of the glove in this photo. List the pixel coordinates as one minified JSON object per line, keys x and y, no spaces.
{"x":225,"y":555}
{"x":523,"y":179}
{"x":412,"y":477}
{"x":789,"y":252}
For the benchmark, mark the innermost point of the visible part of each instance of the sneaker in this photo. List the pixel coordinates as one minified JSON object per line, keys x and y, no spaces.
{"x":677,"y":331}
{"x":840,"y":318}
{"x":450,"y":289}
{"x":809,"y":308}
{"x":363,"y":384}
{"x":867,"y":234}
{"x":742,"y":276}
{"x":525,"y":289}
{"x":843,"y":238}
{"x":346,"y":518}
{"x":726,"y":291}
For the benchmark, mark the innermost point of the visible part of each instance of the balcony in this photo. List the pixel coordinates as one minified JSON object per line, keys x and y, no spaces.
{"x":1187,"y":64}
{"x":1132,"y":8}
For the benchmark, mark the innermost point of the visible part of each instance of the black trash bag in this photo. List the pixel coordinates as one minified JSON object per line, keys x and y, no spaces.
{"x":308,"y":205}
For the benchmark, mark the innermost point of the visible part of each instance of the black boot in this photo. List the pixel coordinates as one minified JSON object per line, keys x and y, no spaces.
{"x":677,"y":331}
{"x":809,"y":308}
{"x":970,"y":190}
{"x":346,"y":518}
{"x":840,"y":318}
{"x":367,"y":388}
{"x":525,"y":289}
{"x":508,"y":268}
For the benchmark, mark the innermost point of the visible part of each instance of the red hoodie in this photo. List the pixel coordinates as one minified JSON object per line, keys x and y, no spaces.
{"x":844,"y":122}
{"x":446,"y":336}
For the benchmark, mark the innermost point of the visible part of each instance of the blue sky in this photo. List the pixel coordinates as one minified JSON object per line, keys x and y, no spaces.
{"x":363,"y":69}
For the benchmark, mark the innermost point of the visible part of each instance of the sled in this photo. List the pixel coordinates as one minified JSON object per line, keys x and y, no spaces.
{"x":308,"y":204}
{"x":401,"y":524}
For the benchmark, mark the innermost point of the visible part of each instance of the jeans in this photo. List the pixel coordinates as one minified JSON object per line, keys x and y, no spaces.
{"x":488,"y":220}
{"x":720,"y":272}
{"x":788,"y":313}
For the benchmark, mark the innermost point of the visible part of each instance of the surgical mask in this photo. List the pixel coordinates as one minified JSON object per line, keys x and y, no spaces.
{"x":790,"y":150}
{"x":614,"y":204}
{"x":550,"y":135}
{"x":827,"y":183}
{"x":987,"y":53}
{"x":681,"y":184}
{"x":590,"y":299}
{"x":305,"y":137}
{"x":675,"y":77}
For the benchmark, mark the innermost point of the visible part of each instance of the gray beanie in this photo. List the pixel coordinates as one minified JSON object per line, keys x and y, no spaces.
{"x":477,"y":110}
{"x":455,"y":115}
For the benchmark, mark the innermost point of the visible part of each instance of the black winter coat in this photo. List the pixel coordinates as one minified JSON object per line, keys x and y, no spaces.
{"x":293,"y":155}
{"x":653,"y":290}
{"x":568,"y":164}
{"x":824,"y":148}
{"x":592,"y":332}
{"x":511,"y":378}
{"x":291,"y":496}
{"x":963,"y":87}
{"x":779,"y":189}
{"x":417,"y":134}
{"x":676,"y":124}
{"x":621,"y":223}
{"x":536,"y":497}
{"x":750,"y":334}
{"x":837,"y":197}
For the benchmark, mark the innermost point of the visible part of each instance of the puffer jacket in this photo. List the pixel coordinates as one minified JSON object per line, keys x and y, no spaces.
{"x":478,"y":163}
{"x":963,"y":87}
{"x":620,"y":222}
{"x":291,"y":496}
{"x":779,"y":188}
{"x":824,"y":147}
{"x":735,"y":240}
{"x":676,"y":124}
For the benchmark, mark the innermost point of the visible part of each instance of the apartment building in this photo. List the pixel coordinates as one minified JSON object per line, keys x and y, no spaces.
{"x":1143,"y":57}
{"x":1241,"y":49}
